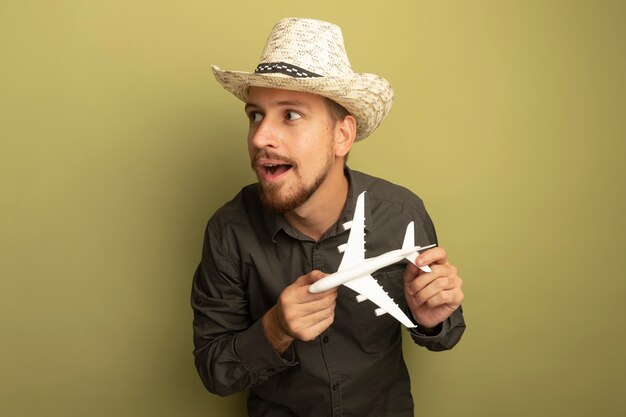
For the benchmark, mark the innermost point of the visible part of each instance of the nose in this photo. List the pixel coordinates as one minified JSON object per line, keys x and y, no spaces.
{"x":263,"y":135}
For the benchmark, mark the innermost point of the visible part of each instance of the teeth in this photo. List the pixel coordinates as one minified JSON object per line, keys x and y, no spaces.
{"x":271,"y":168}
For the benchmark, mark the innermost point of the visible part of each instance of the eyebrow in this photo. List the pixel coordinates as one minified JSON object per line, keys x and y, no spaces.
{"x":282,"y":103}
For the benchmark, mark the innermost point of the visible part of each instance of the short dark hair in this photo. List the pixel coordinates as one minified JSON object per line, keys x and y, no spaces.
{"x":337,"y":114}
{"x":337,"y":111}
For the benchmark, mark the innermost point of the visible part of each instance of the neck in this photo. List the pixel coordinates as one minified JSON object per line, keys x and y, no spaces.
{"x":325,"y":206}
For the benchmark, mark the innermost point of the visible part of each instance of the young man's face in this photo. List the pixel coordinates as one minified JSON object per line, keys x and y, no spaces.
{"x":291,"y":145}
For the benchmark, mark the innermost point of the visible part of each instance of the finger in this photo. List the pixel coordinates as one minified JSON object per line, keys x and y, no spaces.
{"x":324,"y":311}
{"x":432,"y":292}
{"x":432,"y":256}
{"x":317,"y":329}
{"x":310,"y":278}
{"x":321,"y":303}
{"x":410,"y":272}
{"x":424,"y":279}
{"x":311,"y":303}
{"x":310,"y":326}
{"x":316,"y":275}
{"x":300,"y":287}
{"x":451,"y":298}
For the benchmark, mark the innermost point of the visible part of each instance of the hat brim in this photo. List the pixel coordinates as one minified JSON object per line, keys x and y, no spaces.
{"x":367,"y":97}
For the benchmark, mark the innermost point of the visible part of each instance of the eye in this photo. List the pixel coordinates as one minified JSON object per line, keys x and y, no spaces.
{"x":292,"y":115}
{"x":255,"y":116}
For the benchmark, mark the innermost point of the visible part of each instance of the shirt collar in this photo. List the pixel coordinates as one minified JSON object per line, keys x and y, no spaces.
{"x":275,"y":222}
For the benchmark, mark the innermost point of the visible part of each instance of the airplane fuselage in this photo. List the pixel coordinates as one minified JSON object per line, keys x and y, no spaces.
{"x":363,"y":269}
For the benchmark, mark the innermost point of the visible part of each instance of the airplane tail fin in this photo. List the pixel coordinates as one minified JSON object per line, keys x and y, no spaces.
{"x":408,"y":243}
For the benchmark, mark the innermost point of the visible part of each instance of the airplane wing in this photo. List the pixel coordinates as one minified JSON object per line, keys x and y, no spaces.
{"x":354,"y":252}
{"x":370,"y":289}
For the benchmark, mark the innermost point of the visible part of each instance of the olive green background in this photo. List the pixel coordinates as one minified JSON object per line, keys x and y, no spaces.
{"x":117,"y":145}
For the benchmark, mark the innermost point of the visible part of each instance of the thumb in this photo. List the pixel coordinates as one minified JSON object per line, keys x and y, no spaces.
{"x":410,"y":272}
{"x":311,"y":277}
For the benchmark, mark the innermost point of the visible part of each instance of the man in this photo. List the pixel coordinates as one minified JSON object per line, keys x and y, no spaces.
{"x":256,"y":326}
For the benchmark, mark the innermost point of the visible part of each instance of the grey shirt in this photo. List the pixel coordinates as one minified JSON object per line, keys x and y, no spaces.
{"x":355,"y":367}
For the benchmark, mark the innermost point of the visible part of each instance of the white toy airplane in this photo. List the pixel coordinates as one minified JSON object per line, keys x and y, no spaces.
{"x":354,"y":270}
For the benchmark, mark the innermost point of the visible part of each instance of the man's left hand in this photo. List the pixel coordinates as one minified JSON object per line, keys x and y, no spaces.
{"x":432,"y":296}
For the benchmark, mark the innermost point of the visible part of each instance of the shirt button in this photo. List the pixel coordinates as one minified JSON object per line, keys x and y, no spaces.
{"x":325,"y":339}
{"x":318,"y":245}
{"x":335,"y":387}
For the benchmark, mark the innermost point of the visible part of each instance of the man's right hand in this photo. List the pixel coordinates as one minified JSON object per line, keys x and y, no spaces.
{"x":299,"y":314}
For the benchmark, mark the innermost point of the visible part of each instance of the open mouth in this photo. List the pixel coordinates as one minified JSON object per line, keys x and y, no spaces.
{"x":272,"y":167}
{"x":275,"y":170}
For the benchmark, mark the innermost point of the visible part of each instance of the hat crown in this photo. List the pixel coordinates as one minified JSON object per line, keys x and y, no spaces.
{"x":311,"y":44}
{"x":309,"y":55}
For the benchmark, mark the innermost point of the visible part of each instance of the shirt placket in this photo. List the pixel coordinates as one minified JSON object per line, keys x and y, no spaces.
{"x":326,"y":343}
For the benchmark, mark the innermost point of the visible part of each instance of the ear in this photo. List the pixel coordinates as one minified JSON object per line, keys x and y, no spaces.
{"x":345,"y":132}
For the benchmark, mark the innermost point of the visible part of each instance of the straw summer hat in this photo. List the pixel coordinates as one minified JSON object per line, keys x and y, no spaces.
{"x":309,"y":55}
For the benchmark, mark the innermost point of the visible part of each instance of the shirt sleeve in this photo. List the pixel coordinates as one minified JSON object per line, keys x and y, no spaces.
{"x":231,"y":351}
{"x":451,"y":329}
{"x":449,"y":335}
